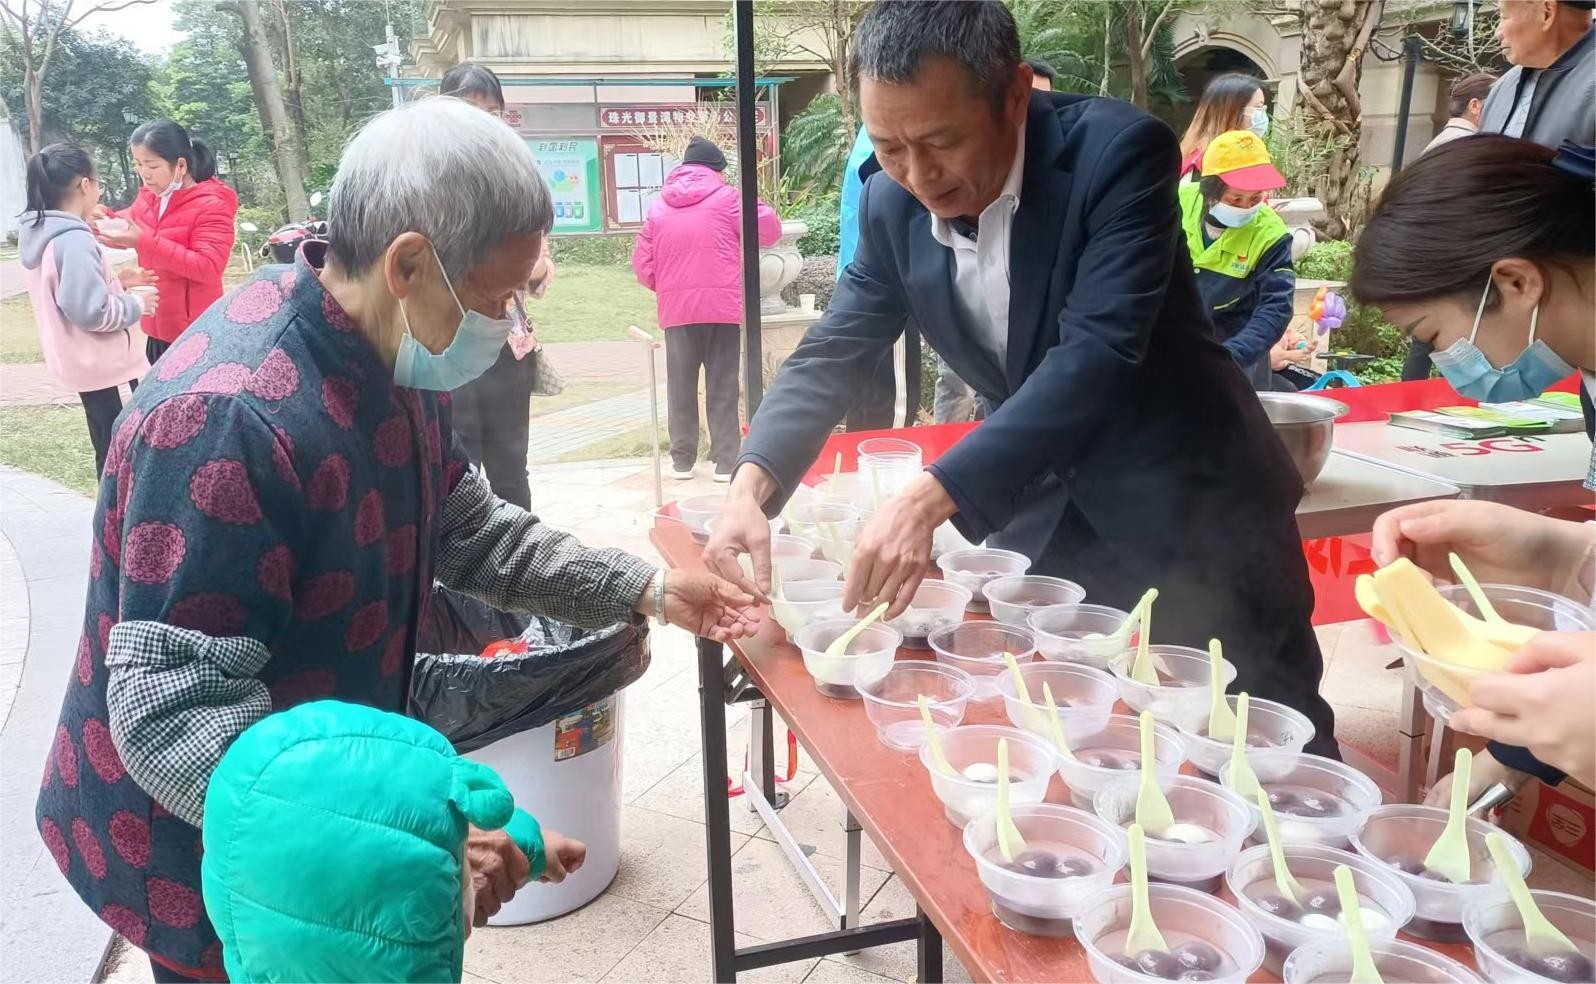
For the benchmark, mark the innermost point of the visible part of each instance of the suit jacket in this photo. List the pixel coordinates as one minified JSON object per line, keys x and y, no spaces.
{"x":1113,"y":380}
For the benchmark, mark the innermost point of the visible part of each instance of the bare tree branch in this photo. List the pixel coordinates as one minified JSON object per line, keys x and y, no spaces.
{"x":1318,"y":107}
{"x":1346,"y":80}
{"x":1152,"y":31}
{"x":108,"y":8}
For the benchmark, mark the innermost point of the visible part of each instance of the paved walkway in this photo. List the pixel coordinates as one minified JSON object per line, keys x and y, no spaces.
{"x":46,"y":933}
{"x":555,"y":435}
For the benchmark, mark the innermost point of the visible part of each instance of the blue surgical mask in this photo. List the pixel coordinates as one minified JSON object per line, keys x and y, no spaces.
{"x":1258,"y":121}
{"x":475,"y":347}
{"x":1231,"y":216}
{"x":1526,"y":377}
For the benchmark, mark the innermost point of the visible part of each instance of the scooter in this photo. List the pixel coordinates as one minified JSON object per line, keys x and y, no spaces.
{"x":283,"y":244}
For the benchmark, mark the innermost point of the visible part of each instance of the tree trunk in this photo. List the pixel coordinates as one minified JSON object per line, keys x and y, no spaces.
{"x":269,"y":103}
{"x":842,"y":38}
{"x":293,"y":83}
{"x":1135,"y":60}
{"x":1334,"y":33}
{"x":33,"y":88}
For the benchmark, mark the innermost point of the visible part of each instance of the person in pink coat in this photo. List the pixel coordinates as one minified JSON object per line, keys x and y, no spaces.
{"x":690,"y":255}
{"x":85,"y":315}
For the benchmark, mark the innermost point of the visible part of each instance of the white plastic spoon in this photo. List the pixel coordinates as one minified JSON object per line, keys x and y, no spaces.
{"x":1363,"y":969}
{"x":1285,"y":881}
{"x":937,"y":758}
{"x":1221,"y":720}
{"x":1143,"y":934}
{"x":1540,"y":936}
{"x":1473,"y":587}
{"x":1010,"y":843}
{"x":1449,"y":855}
{"x":1153,"y":814}
{"x":1243,"y":781}
{"x":1142,"y":670}
{"x":1057,"y":727}
{"x":839,"y":646}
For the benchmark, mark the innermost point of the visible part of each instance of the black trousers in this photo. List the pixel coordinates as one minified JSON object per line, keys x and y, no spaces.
{"x":714,"y":350}
{"x":491,"y":415}
{"x":1417,"y":364}
{"x":100,"y":408}
{"x":154,"y":349}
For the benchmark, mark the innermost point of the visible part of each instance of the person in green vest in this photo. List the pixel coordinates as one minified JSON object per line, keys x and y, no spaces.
{"x":336,"y":848}
{"x":1241,"y":250}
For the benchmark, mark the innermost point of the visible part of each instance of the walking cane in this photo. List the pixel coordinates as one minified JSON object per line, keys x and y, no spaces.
{"x":653,"y":409}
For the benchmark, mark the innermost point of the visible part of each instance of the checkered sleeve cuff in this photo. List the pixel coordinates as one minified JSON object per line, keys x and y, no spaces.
{"x":176,"y":700}
{"x":508,"y":558}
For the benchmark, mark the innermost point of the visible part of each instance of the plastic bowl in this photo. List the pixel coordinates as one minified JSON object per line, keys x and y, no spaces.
{"x":1330,"y":962}
{"x":1183,"y":692}
{"x":785,"y":546}
{"x":1031,"y":765}
{"x":775,"y":529}
{"x":886,"y":465}
{"x":977,"y":648}
{"x":868,"y":658}
{"x":1494,"y":927}
{"x":1407,"y":832}
{"x":1252,"y":876}
{"x":974,"y":567}
{"x":831,"y":526}
{"x":1192,"y":801}
{"x":935,"y":604}
{"x":796,"y":570}
{"x":946,"y":539}
{"x":892,"y":702}
{"x":1045,"y":905}
{"x":1350,"y":794}
{"x":1013,"y":598}
{"x":697,"y":510}
{"x":1080,"y":633}
{"x":1119,"y":737}
{"x":1183,"y":915}
{"x":849,"y":488}
{"x":1270,"y":725}
{"x":803,"y":602}
{"x":1088,"y":693}
{"x":1445,"y":686}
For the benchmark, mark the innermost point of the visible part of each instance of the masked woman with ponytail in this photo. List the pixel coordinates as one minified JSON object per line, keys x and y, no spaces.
{"x":1485,"y":249}
{"x":181,"y":226}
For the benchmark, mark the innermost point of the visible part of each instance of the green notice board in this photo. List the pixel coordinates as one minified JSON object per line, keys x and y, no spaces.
{"x":570,"y":165}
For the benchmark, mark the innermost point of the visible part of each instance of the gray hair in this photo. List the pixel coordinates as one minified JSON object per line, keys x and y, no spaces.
{"x":440,"y":167}
{"x":895,"y":37}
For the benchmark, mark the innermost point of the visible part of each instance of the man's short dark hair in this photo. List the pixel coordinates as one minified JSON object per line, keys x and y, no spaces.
{"x":895,"y":37}
{"x":1042,"y":69}
{"x":1467,"y":89}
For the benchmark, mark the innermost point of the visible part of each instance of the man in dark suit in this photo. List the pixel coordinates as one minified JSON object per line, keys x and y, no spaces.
{"x":1035,"y":239}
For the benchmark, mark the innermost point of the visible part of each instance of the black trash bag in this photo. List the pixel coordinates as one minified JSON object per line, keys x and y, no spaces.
{"x":475,"y":702}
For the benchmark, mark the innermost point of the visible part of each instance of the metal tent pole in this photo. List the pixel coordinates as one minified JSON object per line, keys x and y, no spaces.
{"x":1413,"y":52}
{"x":748,"y":181}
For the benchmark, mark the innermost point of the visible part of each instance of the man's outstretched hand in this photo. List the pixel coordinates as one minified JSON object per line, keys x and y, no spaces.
{"x":710,"y":606}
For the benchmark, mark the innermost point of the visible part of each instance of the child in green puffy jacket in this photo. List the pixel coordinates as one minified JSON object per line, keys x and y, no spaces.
{"x":335,"y":848}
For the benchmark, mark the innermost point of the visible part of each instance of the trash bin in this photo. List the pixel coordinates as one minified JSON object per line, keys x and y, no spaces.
{"x":547,"y":718}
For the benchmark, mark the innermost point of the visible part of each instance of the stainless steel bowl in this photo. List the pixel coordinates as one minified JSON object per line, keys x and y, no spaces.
{"x":1306,"y":425}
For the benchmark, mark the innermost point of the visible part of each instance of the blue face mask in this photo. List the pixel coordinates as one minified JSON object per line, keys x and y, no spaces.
{"x":475,"y":347}
{"x":1258,"y":121}
{"x":1232,"y":217}
{"x":1526,"y":377}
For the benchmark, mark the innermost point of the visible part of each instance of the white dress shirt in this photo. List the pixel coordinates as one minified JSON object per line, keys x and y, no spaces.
{"x":981,"y":266}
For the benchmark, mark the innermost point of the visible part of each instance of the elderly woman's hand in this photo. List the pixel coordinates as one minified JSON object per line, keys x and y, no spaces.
{"x":710,"y":606}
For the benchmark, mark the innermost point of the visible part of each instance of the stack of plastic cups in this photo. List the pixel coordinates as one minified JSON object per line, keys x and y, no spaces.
{"x":886,"y":466}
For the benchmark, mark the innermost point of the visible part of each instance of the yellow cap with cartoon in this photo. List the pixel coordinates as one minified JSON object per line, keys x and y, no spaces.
{"x":1240,"y":157}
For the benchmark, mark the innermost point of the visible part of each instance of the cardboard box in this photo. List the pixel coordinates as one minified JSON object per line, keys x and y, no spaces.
{"x":1559,"y":820}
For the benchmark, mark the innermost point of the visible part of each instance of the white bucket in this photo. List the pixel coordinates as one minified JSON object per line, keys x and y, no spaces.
{"x":567,"y":774}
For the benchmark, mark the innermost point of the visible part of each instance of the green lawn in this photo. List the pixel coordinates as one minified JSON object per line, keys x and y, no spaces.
{"x":585,"y":304}
{"x":592,"y":304}
{"x":49,"y":441}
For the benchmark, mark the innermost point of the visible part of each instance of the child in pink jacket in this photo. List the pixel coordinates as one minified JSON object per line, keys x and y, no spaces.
{"x":689,"y":254}
{"x":84,"y":313}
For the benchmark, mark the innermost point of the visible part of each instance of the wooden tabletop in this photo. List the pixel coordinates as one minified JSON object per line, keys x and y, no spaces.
{"x":890,"y":795}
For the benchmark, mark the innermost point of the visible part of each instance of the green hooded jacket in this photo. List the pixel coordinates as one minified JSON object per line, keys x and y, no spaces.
{"x":334,"y":847}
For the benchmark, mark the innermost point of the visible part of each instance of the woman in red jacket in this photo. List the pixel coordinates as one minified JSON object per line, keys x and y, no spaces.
{"x":181,"y":226}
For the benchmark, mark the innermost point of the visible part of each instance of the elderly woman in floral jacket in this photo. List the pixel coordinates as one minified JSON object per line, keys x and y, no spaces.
{"x":281,"y":495}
